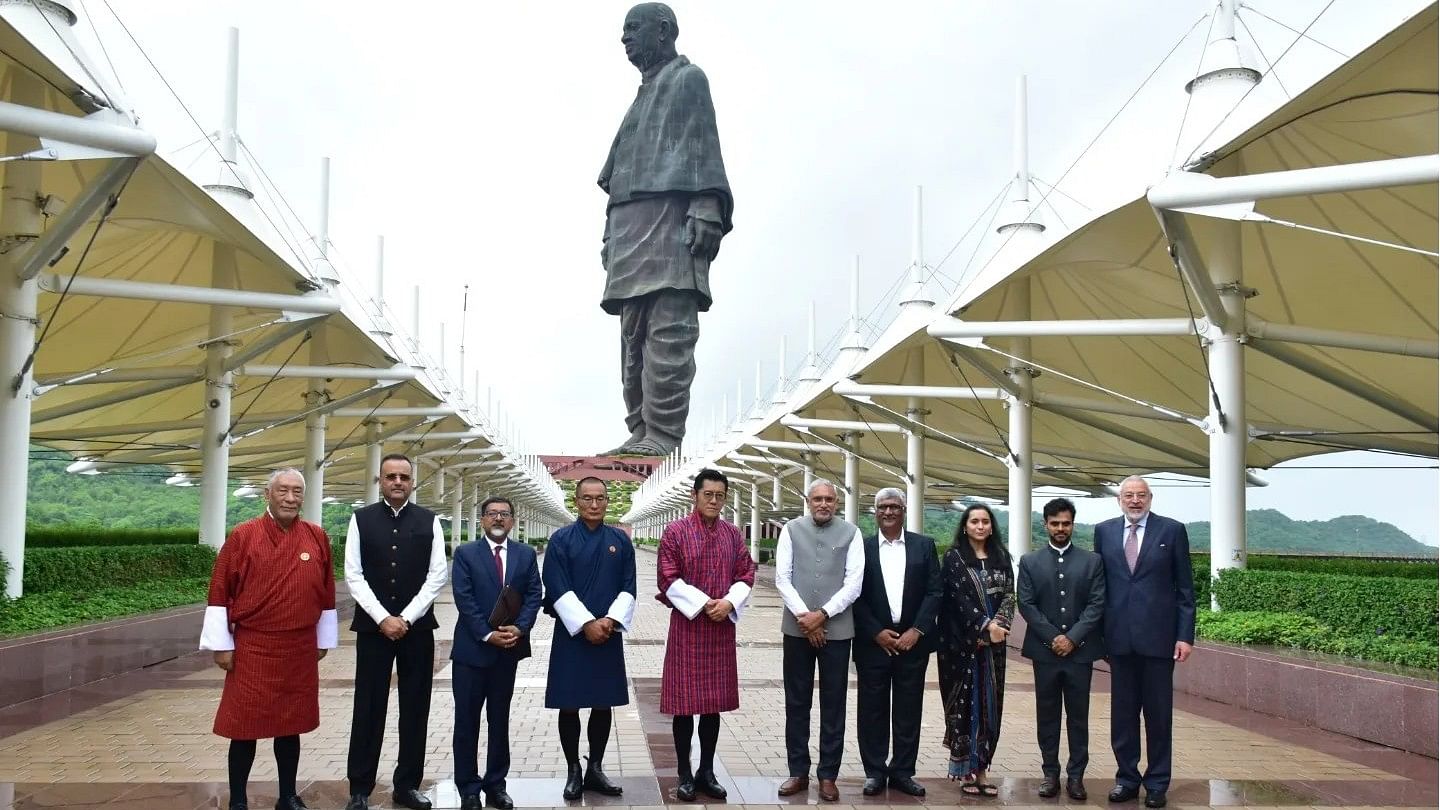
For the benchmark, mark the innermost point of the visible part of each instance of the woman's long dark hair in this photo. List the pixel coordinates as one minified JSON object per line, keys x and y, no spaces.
{"x":994,"y":545}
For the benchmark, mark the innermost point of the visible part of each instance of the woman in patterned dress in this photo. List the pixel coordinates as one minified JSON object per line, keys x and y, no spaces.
{"x":974,"y":621}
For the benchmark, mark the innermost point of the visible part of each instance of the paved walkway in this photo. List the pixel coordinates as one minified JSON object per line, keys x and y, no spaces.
{"x":142,"y":740}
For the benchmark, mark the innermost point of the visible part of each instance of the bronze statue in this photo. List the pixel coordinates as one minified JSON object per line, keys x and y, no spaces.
{"x":669,"y":207}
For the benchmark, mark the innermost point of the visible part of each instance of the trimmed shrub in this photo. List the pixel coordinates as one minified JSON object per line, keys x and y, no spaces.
{"x":1357,"y":567}
{"x":45,"y":611}
{"x":96,"y":567}
{"x":1304,"y":632}
{"x":1364,"y":607}
{"x":71,"y":537}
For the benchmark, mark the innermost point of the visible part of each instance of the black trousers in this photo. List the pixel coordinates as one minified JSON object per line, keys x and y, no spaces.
{"x":1142,"y":685}
{"x":476,"y":688}
{"x":413,"y":658}
{"x":890,"y":699}
{"x":800,"y":660}
{"x":1067,"y":684}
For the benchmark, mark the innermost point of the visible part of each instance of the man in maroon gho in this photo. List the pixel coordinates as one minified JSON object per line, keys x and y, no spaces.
{"x":270,"y":619}
{"x":705,"y":574}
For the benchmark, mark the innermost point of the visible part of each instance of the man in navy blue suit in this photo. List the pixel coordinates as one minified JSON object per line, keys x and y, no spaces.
{"x":1149,"y":625}
{"x":485,"y":657}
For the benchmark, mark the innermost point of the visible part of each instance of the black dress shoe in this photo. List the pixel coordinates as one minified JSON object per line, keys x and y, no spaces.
{"x":574,"y":782}
{"x":709,"y":785}
{"x":1075,"y":789}
{"x":499,"y":799}
{"x":411,"y":798}
{"x":1121,"y":793}
{"x":596,"y":780}
{"x":358,"y":801}
{"x":1154,"y":798}
{"x":907,"y":785}
{"x":472,"y":801}
{"x":290,"y":803}
{"x":1050,"y":787}
{"x":239,"y":806}
{"x":873,"y":786}
{"x":685,"y":790}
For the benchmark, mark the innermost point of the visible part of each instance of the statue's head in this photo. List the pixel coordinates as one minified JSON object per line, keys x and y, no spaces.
{"x":649,"y":34}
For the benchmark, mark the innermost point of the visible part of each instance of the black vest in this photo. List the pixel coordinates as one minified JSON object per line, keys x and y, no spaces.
{"x":395,"y":558}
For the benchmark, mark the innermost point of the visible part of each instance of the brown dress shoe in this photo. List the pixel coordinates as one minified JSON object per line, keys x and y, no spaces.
{"x":794,"y":785}
{"x":828,"y":791}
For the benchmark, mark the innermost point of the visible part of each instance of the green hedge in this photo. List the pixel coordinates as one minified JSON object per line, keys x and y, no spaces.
{"x":84,"y":569}
{"x":1350,"y":566}
{"x":44,"y":611}
{"x":70,"y":537}
{"x":1364,"y":607}
{"x":1303,"y":632}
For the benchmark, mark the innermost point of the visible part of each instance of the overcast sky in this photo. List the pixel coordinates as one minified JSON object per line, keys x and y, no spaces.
{"x":470,"y":136}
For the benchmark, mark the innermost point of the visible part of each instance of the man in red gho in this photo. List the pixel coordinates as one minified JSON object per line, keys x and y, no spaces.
{"x":270,"y":619}
{"x":705,"y":574}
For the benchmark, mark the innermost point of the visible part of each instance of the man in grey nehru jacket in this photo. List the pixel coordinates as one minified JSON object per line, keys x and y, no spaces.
{"x":819,"y":566}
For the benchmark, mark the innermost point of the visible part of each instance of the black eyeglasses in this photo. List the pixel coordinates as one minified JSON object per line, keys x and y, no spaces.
{"x":505,"y":515}
{"x":889,"y":507}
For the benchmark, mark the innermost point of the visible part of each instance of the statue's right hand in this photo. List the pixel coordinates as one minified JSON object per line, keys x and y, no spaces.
{"x":605,"y":254}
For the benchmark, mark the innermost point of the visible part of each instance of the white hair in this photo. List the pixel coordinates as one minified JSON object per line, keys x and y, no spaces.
{"x":821,"y":482}
{"x":892,"y":493}
{"x":1132,"y":479}
{"x":285,"y":471}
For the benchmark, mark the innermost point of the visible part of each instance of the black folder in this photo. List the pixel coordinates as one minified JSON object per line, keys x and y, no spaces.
{"x":507,"y":608}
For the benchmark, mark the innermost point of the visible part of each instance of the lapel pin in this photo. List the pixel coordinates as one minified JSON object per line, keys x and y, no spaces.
{"x":612,"y":549}
{"x":305,"y":556}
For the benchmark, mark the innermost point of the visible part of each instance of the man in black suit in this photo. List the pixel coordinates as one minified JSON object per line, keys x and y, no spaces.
{"x":1149,"y":625}
{"x":1062,"y":597}
{"x":486,"y":657}
{"x":395,"y":567}
{"x":894,"y":636}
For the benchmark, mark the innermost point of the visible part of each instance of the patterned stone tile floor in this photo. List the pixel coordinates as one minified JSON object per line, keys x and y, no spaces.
{"x":143,"y":740}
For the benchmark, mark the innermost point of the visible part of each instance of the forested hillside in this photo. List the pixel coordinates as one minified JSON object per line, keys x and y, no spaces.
{"x":137,"y":498}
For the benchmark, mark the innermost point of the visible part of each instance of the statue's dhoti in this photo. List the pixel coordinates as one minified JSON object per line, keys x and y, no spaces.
{"x":658,"y":289}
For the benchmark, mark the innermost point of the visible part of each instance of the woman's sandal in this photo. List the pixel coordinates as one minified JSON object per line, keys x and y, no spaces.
{"x":981,"y":789}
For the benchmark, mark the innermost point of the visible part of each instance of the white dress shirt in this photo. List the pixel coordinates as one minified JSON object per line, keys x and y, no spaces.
{"x":849,"y":588}
{"x":365,"y":597}
{"x":892,"y":570}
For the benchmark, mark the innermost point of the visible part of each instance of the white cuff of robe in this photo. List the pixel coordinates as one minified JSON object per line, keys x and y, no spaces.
{"x":327,"y":630}
{"x":686,"y":598}
{"x":572,"y":612}
{"x":622,"y":610}
{"x":739,"y":596}
{"x":215,"y":635}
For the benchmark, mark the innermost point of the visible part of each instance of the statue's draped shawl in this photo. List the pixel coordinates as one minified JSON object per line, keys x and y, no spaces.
{"x":668,"y":143}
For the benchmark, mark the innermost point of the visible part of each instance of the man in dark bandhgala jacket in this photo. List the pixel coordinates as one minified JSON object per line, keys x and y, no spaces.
{"x":894,"y":637}
{"x":1062,"y":597}
{"x":1149,"y":625}
{"x":395,"y":568}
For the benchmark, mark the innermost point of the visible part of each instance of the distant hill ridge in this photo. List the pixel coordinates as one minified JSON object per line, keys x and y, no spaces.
{"x":138,"y":498}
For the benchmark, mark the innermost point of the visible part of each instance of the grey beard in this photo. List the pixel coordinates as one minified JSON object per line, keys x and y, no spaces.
{"x":495,"y":532}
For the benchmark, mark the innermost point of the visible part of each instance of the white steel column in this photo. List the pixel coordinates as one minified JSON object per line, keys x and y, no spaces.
{"x":809,"y":472}
{"x":219,"y":386}
{"x":457,"y":514}
{"x":474,"y":516}
{"x":852,"y":478}
{"x":1228,"y":425}
{"x":373,"y":454}
{"x":914,"y":469}
{"x":315,"y":423}
{"x":735,"y":502}
{"x":775,"y":492}
{"x":755,"y":519}
{"x":19,"y":221}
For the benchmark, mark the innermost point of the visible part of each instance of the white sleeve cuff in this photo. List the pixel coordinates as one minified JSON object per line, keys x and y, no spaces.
{"x":572,"y":612}
{"x":622,"y":610}
{"x":686,"y":598}
{"x":739,"y":596}
{"x":215,"y":635}
{"x":327,"y":631}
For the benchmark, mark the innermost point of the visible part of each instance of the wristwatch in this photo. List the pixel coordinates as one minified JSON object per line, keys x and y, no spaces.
{"x":825,"y":612}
